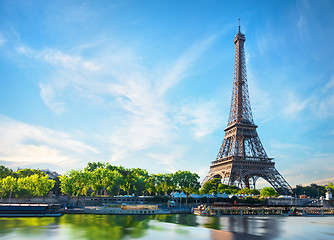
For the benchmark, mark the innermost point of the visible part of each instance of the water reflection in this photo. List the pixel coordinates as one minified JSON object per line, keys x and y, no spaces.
{"x":236,"y":227}
{"x":165,"y":227}
{"x":106,"y":226}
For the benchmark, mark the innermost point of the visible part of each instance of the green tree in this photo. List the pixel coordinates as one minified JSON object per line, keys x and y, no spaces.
{"x":104,"y":179}
{"x":331,"y":186}
{"x":26,"y":172}
{"x":313,"y":190}
{"x":187,"y":181}
{"x":95,"y":165}
{"x":141,"y":176}
{"x":164,"y":182}
{"x":249,"y":191}
{"x":75,"y":183}
{"x":255,"y":192}
{"x":210,"y":186}
{"x":223,"y":188}
{"x":128,"y":181}
{"x":244,"y":191}
{"x":151,"y":184}
{"x":36,"y":184}
{"x":268,"y":192}
{"x":5,"y":172}
{"x":66,"y":184}
{"x":8,"y":184}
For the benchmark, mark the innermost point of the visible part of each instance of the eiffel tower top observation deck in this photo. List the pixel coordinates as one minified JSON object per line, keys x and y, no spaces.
{"x":241,"y":159}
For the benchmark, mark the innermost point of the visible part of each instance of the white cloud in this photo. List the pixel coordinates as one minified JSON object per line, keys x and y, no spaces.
{"x":3,"y":40}
{"x":329,"y":85}
{"x":322,"y":181}
{"x":55,"y":57}
{"x":279,"y":145}
{"x":324,"y":107}
{"x":293,"y":105}
{"x":323,"y":101}
{"x":117,"y":76}
{"x":301,"y":12}
{"x":182,"y":64}
{"x":48,"y":97}
{"x":202,"y":116}
{"x":310,"y":169}
{"x":24,"y":50}
{"x":169,"y":159}
{"x":261,"y":101}
{"x":26,"y":144}
{"x":150,"y":120}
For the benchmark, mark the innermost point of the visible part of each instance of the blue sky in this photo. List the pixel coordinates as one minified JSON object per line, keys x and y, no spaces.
{"x":148,"y":83}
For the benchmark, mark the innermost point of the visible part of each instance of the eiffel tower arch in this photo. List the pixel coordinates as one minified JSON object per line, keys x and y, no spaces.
{"x":241,"y":159}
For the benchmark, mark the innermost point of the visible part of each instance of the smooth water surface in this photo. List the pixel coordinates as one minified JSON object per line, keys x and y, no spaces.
{"x":171,"y":227}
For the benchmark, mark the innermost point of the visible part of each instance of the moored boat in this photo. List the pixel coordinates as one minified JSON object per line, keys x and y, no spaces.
{"x":29,"y":210}
{"x":141,"y":209}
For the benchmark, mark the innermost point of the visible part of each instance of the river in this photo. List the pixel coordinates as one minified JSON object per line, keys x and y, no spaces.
{"x":167,"y":227}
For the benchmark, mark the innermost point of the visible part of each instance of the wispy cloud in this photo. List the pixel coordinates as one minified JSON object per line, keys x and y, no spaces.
{"x":27,"y":144}
{"x":3,"y":40}
{"x":294,"y":105}
{"x":202,"y":116}
{"x":48,"y":96}
{"x":309,"y":169}
{"x":322,"y":181}
{"x":324,"y":107}
{"x":301,"y":11}
{"x":261,"y":101}
{"x":66,"y":61}
{"x":279,"y":145}
{"x":182,"y":64}
{"x":169,"y":159}
{"x":329,"y":85}
{"x":323,"y":100}
{"x":117,"y":76}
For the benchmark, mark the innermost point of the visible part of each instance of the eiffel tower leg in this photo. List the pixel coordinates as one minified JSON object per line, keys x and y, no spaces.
{"x":246,"y":181}
{"x":255,"y":178}
{"x":278,"y":182}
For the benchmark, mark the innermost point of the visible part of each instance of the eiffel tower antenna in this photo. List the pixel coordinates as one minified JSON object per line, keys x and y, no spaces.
{"x":241,"y":159}
{"x":239,"y":24}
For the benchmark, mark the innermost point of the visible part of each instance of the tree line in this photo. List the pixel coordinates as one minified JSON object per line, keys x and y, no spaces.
{"x":24,"y":182}
{"x":215,"y":186}
{"x":96,"y":179}
{"x":103,"y":179}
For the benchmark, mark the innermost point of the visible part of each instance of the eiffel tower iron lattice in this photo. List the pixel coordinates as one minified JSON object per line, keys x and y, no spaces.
{"x":241,"y":159}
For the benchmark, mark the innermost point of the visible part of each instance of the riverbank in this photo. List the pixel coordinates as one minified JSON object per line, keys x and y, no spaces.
{"x":100,"y":200}
{"x":272,"y":206}
{"x":204,"y":210}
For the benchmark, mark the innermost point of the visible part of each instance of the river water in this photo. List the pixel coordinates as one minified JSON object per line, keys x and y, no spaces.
{"x":169,"y":227}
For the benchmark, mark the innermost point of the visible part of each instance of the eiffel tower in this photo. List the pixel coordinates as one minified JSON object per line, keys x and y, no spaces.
{"x":242,"y":159}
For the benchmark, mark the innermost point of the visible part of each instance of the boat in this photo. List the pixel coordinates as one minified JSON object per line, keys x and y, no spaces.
{"x":30,"y":210}
{"x":140,"y":209}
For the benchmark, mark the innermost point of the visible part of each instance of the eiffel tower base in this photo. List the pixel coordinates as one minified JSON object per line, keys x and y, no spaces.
{"x":245,"y":173}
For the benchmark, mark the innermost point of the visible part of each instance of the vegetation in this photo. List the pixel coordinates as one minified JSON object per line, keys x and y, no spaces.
{"x":268,"y":192}
{"x":330,"y":186}
{"x":215,"y":186}
{"x":103,"y":179}
{"x":98,"y":179}
{"x":312,"y":191}
{"x":32,"y":185}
